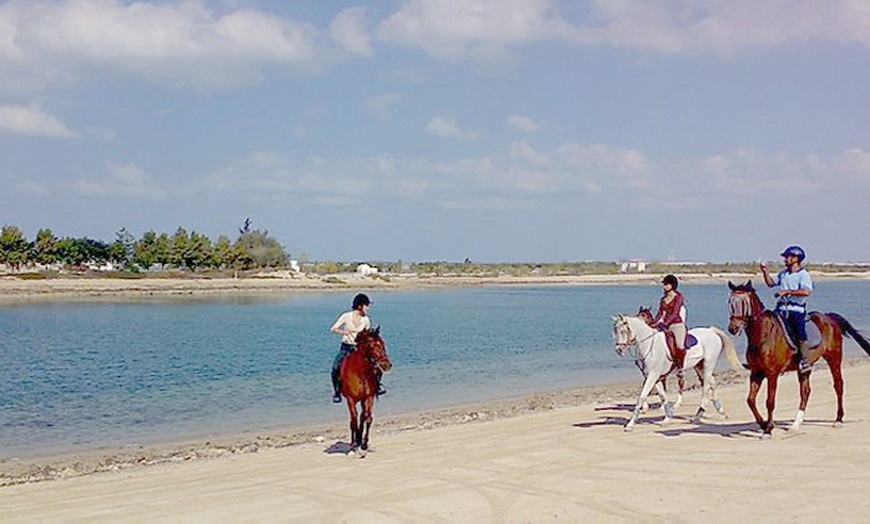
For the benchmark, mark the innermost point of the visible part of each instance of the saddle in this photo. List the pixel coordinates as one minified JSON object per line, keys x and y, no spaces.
{"x":678,"y":356}
{"x":814,"y":335}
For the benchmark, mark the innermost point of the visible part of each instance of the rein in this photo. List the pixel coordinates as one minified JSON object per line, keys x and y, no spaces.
{"x":633,"y":341}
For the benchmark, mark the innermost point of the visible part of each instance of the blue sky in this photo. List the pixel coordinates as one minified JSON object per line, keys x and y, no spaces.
{"x":419,"y":130}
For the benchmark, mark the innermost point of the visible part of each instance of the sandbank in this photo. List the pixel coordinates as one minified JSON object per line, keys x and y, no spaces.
{"x":554,"y":457}
{"x":13,"y":289}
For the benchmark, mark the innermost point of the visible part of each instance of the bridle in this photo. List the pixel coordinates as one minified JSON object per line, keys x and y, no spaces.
{"x":379,"y":359}
{"x":622,"y":348}
{"x":740,"y":307}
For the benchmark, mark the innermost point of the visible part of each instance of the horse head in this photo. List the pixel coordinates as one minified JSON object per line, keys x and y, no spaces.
{"x":743,"y":304}
{"x":645,"y":314}
{"x":373,"y":347}
{"x":623,"y":336}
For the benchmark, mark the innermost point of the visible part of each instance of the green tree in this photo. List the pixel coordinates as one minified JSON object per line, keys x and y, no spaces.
{"x":223,"y":254}
{"x":121,"y":250}
{"x":14,"y":247}
{"x":261,"y":250}
{"x":145,"y":250}
{"x":79,"y":252}
{"x":178,"y":246}
{"x":45,"y":250}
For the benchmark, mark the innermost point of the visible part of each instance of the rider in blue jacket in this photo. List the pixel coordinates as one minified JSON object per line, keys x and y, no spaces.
{"x":795,"y":285}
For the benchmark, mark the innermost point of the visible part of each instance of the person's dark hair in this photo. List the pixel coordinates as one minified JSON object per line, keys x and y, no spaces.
{"x":361,"y":300}
{"x":672,"y":280}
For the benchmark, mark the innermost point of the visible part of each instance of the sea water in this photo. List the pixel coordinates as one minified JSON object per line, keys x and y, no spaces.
{"x":76,"y":376}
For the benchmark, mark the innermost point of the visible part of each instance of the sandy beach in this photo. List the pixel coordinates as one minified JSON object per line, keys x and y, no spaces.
{"x":561,"y":457}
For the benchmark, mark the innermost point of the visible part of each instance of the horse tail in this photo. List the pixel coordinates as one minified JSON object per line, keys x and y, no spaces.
{"x":730,"y":350}
{"x":847,"y":329}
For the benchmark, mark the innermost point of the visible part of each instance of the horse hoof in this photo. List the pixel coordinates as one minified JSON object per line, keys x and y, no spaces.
{"x":766,"y":436}
{"x":628,"y":429}
{"x":838,"y":424}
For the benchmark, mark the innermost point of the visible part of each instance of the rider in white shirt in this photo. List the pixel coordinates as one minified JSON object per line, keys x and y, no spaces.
{"x":348,"y":326}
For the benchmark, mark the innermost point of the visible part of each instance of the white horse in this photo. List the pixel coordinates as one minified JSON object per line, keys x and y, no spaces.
{"x":654,"y":360}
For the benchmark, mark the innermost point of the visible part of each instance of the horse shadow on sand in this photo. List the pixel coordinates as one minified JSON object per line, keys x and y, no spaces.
{"x":339,"y":448}
{"x":682,"y":424}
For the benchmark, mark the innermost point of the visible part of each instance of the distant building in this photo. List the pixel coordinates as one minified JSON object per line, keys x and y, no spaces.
{"x":366,"y":270}
{"x":633,"y":265}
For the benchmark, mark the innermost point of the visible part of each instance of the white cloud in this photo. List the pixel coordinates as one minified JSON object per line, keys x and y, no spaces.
{"x":456,"y":29}
{"x":122,"y":180}
{"x":32,"y":121}
{"x":676,"y":26}
{"x":182,"y":43}
{"x":348,"y":29}
{"x":855,"y":163}
{"x":523,"y":123}
{"x":599,"y":161}
{"x":447,"y":127}
{"x":527,"y":153}
{"x":745,"y":171}
{"x":481,"y":29}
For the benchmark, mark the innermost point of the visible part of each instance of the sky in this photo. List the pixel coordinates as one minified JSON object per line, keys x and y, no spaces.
{"x":440,"y":130}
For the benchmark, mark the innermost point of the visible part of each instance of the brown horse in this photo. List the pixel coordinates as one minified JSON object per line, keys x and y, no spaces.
{"x":769,"y":354}
{"x":359,"y":383}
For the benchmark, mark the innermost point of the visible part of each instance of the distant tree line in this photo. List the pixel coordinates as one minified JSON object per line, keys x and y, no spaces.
{"x":253,"y":249}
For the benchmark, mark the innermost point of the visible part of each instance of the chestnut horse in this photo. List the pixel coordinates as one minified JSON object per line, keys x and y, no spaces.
{"x":359,"y":384}
{"x":769,"y":354}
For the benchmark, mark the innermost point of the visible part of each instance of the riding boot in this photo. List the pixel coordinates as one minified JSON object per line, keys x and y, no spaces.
{"x":336,"y":385}
{"x":679,"y":359}
{"x":381,"y":389}
{"x":804,"y":365}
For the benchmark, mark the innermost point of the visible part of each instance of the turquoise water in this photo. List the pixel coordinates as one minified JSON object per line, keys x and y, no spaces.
{"x":77,"y":376}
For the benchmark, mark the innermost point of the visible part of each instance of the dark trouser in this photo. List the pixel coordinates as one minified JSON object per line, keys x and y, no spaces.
{"x":796,"y":324}
{"x":343,"y":351}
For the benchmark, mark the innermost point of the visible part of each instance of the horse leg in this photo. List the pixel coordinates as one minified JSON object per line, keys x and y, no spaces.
{"x":708,"y":384}
{"x":662,"y":392}
{"x":755,"y":381}
{"x":772,"y":382}
{"x":366,"y":421}
{"x":681,"y":382}
{"x":644,"y":393}
{"x":666,"y":406}
{"x":835,"y":363}
{"x":804,"y":381}
{"x":354,"y":423}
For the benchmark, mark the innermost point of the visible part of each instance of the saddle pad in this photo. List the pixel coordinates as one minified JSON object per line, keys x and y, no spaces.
{"x":814,"y":335}
{"x":690,"y":340}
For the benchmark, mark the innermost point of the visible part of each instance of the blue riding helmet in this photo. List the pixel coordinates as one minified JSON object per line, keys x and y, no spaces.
{"x":796,"y":251}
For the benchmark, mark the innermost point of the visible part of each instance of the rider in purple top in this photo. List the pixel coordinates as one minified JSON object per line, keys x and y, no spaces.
{"x":795,"y":285}
{"x":670,"y":317}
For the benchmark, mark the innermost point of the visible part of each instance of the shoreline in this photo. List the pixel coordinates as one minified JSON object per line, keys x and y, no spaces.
{"x":48,"y":466}
{"x":15,"y":290}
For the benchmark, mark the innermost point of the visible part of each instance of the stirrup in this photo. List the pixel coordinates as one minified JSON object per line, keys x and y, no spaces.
{"x":336,"y":397}
{"x":804,"y":366}
{"x":381,"y":390}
